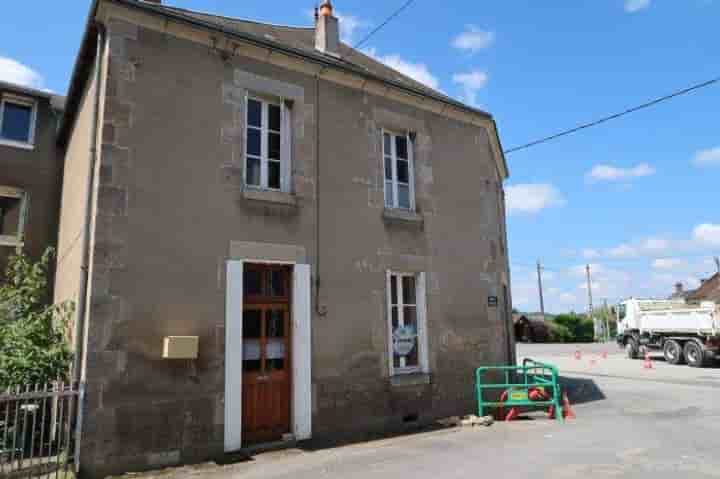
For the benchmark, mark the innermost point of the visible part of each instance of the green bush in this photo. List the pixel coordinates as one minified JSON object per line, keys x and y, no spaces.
{"x":559,"y":333}
{"x":33,"y":344}
{"x":579,"y":328}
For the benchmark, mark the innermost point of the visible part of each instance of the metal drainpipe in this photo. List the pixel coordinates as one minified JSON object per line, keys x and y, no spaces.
{"x":84,"y":269}
{"x":320,"y":310}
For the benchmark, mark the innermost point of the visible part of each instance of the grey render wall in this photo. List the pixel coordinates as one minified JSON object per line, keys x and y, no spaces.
{"x":38,"y":173}
{"x":170,"y":203}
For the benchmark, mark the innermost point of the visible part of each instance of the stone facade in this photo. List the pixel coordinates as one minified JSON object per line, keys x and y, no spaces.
{"x":170,"y":206}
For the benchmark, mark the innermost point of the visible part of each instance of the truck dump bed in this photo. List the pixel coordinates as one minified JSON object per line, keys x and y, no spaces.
{"x":676,"y":317}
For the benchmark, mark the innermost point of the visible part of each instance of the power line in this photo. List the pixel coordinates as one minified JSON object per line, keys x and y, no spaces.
{"x":383,"y":24}
{"x":615,"y":116}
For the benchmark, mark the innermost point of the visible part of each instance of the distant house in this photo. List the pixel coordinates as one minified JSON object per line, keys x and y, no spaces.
{"x":709,"y":290}
{"x":530,"y":329}
{"x":680,"y":292}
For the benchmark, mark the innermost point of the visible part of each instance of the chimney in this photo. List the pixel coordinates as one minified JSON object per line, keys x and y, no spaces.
{"x":327,"y":30}
{"x":679,"y":288}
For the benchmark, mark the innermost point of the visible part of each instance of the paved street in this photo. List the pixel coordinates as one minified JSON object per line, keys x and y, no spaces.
{"x":632,"y":422}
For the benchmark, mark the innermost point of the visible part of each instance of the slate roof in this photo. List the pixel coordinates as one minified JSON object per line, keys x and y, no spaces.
{"x":708,"y":291}
{"x":302,"y":39}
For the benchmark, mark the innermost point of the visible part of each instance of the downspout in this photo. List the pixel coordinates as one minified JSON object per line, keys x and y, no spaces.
{"x":320,"y":310}
{"x":83,"y":303}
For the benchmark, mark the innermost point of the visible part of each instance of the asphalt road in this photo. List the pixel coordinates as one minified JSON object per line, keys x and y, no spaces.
{"x":631,"y":422}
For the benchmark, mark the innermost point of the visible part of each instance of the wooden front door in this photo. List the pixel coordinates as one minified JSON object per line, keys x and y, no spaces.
{"x":266,"y":353}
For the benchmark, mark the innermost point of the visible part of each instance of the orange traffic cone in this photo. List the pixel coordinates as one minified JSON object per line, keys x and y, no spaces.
{"x":648,"y":362}
{"x":578,"y":355}
{"x":604,"y":355}
{"x":512,"y":415}
{"x":568,"y":413}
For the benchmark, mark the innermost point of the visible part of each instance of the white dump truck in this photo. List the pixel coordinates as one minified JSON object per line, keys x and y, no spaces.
{"x":685,"y":333}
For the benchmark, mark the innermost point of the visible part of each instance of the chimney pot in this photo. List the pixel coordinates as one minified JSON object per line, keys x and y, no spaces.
{"x":326,"y":9}
{"x":679,"y":288}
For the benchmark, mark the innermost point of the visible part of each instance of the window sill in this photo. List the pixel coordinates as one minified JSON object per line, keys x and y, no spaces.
{"x":17,"y":144}
{"x":269,"y":196}
{"x":410,"y":379}
{"x":402,"y":216}
{"x":10,"y":241}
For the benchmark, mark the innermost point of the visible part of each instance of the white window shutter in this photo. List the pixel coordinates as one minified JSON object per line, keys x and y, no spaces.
{"x":388,"y":320}
{"x":422,"y":322}
{"x":233,"y":356}
{"x":285,"y":147}
{"x":302,"y":353}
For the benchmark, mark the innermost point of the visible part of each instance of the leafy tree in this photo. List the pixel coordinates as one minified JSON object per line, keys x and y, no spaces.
{"x":580,"y":327}
{"x":33,"y":345}
{"x":559,"y":333}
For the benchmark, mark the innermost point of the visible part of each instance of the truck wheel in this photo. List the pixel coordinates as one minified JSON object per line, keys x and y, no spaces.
{"x":673,"y":352}
{"x":631,"y":348}
{"x":694,"y":354}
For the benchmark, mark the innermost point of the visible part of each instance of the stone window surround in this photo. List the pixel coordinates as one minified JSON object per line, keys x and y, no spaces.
{"x":26,"y":102}
{"x":15,"y":241}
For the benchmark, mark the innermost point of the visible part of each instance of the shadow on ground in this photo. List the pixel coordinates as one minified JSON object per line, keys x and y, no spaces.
{"x":581,"y":390}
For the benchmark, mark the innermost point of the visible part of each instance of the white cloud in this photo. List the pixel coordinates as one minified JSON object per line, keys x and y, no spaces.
{"x":669,"y":263}
{"x":590,"y":253}
{"x":707,"y":234}
{"x":612,"y":173}
{"x":709,"y":157}
{"x":417,"y":71}
{"x":12,"y":71}
{"x":632,"y":6}
{"x":471,"y":83}
{"x":532,"y":198}
{"x":349,"y":25}
{"x":473,"y":39}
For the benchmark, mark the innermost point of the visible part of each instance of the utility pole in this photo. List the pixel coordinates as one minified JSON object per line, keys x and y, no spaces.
{"x":717,"y":264}
{"x":590,"y":302}
{"x":607,"y":321}
{"x":540,"y":290}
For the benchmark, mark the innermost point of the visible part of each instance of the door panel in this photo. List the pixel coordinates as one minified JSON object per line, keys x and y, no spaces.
{"x":266,"y":354}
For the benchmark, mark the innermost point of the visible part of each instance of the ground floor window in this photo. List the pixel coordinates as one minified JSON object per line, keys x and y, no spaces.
{"x":13,"y":205}
{"x":406,"y":322}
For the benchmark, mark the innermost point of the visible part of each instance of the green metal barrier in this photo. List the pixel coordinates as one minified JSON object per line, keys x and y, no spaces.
{"x":533,"y":378}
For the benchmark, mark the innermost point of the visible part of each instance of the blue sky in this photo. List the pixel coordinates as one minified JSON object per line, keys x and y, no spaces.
{"x":636,"y":198}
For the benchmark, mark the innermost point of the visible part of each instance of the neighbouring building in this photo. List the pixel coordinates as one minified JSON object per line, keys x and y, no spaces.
{"x":270,"y":236}
{"x":30,"y":171}
{"x":709,"y":290}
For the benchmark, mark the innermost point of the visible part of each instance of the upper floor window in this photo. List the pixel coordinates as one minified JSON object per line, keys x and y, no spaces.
{"x":267,"y":145}
{"x":399,"y":174}
{"x":17,"y":121}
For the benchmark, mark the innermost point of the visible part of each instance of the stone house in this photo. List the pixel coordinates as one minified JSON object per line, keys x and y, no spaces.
{"x":270,"y":237}
{"x":30,"y":171}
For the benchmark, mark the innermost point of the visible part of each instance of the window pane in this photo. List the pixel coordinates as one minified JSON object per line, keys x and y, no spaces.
{"x":411,"y":360}
{"x":254,"y":113}
{"x":387,"y":145}
{"x":274,"y":174}
{"x":275,"y":324}
{"x":408,"y":286}
{"x":274,"y":117}
{"x":409,"y":317}
{"x":277,"y":283}
{"x":252,"y":283}
{"x":404,"y":196}
{"x":388,"y":168}
{"x":403,"y":171}
{"x":274,"y":146}
{"x":253,"y":171}
{"x":9,"y":216}
{"x":251,"y":324}
{"x":254,"y":142}
{"x":16,"y":122}
{"x":402,"y":147}
{"x":393,"y":289}
{"x":389,"y":194}
{"x":394,"y":318}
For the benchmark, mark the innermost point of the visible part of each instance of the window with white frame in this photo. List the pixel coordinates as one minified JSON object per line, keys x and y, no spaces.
{"x":407,"y":322}
{"x":399,"y":174}
{"x":17,"y":120}
{"x":267,"y":144}
{"x":13,"y":207}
